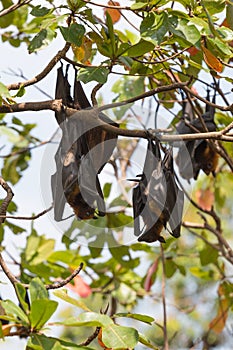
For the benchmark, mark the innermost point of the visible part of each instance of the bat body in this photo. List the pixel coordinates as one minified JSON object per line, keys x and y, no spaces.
{"x":83,"y":151}
{"x":196,"y":155}
{"x":157,"y":200}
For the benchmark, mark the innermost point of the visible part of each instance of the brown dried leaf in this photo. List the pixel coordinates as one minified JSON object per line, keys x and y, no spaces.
{"x":113,"y":13}
{"x":211,"y":60}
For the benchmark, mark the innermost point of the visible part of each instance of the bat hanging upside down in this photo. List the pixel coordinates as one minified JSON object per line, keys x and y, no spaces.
{"x":157,"y":199}
{"x":196,"y":155}
{"x":83,"y":151}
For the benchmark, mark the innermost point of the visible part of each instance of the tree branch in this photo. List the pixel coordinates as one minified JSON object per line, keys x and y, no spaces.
{"x":14,"y":7}
{"x":56,"y":105}
{"x":55,"y":285}
{"x":41,"y":75}
{"x":62,"y":283}
{"x":33,"y":217}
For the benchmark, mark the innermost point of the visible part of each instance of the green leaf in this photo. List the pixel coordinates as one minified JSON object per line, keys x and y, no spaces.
{"x":37,"y":290}
{"x":140,"y":48}
{"x":107,"y":189}
{"x":99,"y":74}
{"x":8,"y":19}
{"x":4,"y":92}
{"x":154,"y":27}
{"x":41,"y":311}
{"x":21,"y":91}
{"x":208,"y":255}
{"x":138,"y":317}
{"x":42,"y":342}
{"x":146,"y":342}
{"x":202,"y":273}
{"x":119,"y":337}
{"x":38,"y":249}
{"x":222,"y":119}
{"x":226,"y":34}
{"x":111,"y":33}
{"x":125,"y":294}
{"x":90,"y":319}
{"x":75,"y":4}
{"x":13,"y":309}
{"x":22,"y":296}
{"x":229,"y":14}
{"x":39,"y":11}
{"x":76,"y":302}
{"x":15,"y":228}
{"x":170,"y":268}
{"x":138,"y":5}
{"x":73,"y":34}
{"x":188,"y":31}
{"x":37,"y":41}
{"x":118,"y":220}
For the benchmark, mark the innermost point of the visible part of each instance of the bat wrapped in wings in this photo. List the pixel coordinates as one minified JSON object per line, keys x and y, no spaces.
{"x":196,"y":155}
{"x":83,"y":151}
{"x":157,"y":200}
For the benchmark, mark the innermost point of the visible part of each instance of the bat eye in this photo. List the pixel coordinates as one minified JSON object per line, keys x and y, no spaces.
{"x":209,"y":165}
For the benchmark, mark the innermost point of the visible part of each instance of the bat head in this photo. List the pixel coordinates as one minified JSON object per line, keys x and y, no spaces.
{"x":206,"y":158}
{"x":153,"y":234}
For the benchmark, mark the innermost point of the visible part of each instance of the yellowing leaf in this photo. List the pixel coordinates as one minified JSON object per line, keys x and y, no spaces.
{"x":211,"y":60}
{"x":113,"y":13}
{"x":218,"y":323}
{"x":83,"y":53}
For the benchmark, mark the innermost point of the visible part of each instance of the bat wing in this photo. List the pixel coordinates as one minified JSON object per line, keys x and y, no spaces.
{"x":89,"y":185}
{"x":142,"y":196}
{"x":59,"y":199}
{"x":101,"y":142}
{"x":139,"y":200}
{"x":62,"y":91}
{"x":174,"y":199}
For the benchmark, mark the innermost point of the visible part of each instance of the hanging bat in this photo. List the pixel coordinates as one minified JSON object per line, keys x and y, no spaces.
{"x":157,"y":200}
{"x":196,"y":155}
{"x":83,"y":151}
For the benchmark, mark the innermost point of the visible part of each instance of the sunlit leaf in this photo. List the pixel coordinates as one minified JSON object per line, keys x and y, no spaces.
{"x":76,"y":302}
{"x":41,"y":311}
{"x":89,"y":319}
{"x":138,"y":317}
{"x":119,"y":337}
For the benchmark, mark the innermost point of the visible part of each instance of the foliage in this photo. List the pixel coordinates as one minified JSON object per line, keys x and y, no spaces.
{"x":149,"y":44}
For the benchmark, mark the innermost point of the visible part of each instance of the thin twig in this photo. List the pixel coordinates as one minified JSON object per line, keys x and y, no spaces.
{"x":62,"y":283}
{"x":55,"y":285}
{"x":91,"y":337}
{"x":166,"y":344}
{"x":26,"y":149}
{"x":33,"y":217}
{"x":7,"y":272}
{"x":14,"y":7}
{"x":42,"y":74}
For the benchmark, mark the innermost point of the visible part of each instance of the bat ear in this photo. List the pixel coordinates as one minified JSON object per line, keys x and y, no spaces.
{"x":80,"y":98}
{"x":210,"y":110}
